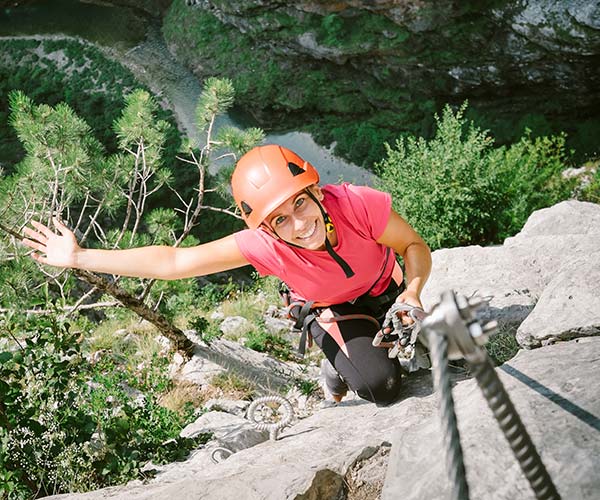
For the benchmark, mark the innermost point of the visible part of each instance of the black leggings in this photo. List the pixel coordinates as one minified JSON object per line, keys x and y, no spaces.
{"x":367,"y":370}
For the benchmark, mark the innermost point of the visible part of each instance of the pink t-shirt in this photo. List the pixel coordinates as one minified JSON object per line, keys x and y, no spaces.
{"x":360,"y":215}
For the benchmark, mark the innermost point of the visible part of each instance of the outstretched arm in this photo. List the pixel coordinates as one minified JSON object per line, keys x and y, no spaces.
{"x":61,"y":249}
{"x":401,"y":237}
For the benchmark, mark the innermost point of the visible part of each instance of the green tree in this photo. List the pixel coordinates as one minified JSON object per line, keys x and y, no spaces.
{"x":106,"y":199}
{"x":458,"y":189}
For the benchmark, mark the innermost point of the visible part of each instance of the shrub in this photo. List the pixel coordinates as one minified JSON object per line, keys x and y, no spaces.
{"x":306,"y":386}
{"x":207,"y":330}
{"x":262,"y":341}
{"x":457,"y":189}
{"x":589,"y":184}
{"x":531,"y":178}
{"x":67,"y":425}
{"x":502,"y":346}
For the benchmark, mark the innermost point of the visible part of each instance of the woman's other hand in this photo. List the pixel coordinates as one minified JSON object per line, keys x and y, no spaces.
{"x":408,"y":297}
{"x":56,"y":249}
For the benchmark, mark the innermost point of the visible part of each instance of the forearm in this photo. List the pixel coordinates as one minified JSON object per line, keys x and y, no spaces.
{"x":142,"y":262}
{"x":417,"y":263}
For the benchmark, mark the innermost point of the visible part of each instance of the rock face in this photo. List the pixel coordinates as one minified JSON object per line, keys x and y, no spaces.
{"x":548,"y":390}
{"x":509,"y":59}
{"x":343,"y":451}
{"x":549,"y":387}
{"x":543,"y":281}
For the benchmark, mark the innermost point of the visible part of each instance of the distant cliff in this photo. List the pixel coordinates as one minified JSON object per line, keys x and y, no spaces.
{"x":373,"y":66}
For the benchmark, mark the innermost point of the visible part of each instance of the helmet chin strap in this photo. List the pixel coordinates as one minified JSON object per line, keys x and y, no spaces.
{"x":329,"y":228}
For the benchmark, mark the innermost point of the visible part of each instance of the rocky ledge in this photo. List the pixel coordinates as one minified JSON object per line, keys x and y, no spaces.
{"x":543,"y":284}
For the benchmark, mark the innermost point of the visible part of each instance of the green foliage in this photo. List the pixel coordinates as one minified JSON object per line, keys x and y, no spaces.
{"x":217,"y":97}
{"x":332,"y":26}
{"x":358,"y":33}
{"x":241,"y":141}
{"x":81,"y":76}
{"x":138,"y":125}
{"x":531,"y":176}
{"x":457,"y":189}
{"x":206,"y":329}
{"x":590,"y":188}
{"x":502,"y":346}
{"x":67,"y":425}
{"x":212,"y":294}
{"x":163,"y":225}
{"x":307,"y":386}
{"x":262,"y":341}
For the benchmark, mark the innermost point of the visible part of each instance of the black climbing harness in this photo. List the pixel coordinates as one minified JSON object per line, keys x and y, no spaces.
{"x":305,"y":312}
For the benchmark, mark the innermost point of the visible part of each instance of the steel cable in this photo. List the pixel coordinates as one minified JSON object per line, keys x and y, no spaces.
{"x":454,"y":458}
{"x":260,"y":406}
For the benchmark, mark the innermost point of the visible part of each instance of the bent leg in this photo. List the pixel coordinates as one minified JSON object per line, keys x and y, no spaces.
{"x":367,"y":370}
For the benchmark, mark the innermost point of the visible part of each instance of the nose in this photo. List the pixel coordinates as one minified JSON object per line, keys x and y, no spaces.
{"x":298,"y":223}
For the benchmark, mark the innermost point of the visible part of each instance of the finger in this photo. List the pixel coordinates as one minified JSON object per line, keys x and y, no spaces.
{"x":43,"y":229}
{"x":34,"y":234}
{"x":406,"y":318}
{"x":34,"y":244}
{"x":39,"y":258}
{"x":64,"y":230}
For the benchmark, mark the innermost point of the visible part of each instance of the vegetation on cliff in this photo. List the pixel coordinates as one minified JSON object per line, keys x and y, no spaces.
{"x":358,"y":80}
{"x":67,"y":70}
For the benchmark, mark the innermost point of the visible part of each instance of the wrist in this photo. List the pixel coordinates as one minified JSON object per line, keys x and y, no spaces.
{"x":79,"y":258}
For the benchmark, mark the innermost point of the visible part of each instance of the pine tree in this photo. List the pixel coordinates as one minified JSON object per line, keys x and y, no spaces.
{"x":106,"y":200}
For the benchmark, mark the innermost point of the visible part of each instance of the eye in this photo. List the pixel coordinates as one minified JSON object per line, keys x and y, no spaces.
{"x":300,"y":202}
{"x":277,"y":221}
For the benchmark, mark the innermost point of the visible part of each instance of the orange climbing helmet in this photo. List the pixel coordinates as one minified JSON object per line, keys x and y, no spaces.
{"x":265,"y":177}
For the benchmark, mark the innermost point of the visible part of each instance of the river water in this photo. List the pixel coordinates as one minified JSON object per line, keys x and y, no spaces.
{"x":136,"y":41}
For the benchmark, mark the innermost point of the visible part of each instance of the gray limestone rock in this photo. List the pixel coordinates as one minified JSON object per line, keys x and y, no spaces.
{"x":523,"y":274}
{"x":232,"y":325}
{"x":551,"y":391}
{"x":200,"y":370}
{"x":567,"y":217}
{"x":233,"y":432}
{"x":266,"y":372}
{"x":569,"y":306}
{"x":232,"y":406}
{"x":277,"y":326}
{"x":550,"y":388}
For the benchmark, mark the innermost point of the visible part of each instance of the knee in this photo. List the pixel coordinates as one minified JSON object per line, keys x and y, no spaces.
{"x":384,"y":389}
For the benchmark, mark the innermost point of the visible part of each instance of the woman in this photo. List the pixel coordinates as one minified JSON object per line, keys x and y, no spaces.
{"x":333,"y":246}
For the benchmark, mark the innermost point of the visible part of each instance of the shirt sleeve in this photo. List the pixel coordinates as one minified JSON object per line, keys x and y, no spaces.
{"x":371,"y":207}
{"x":258,"y":251}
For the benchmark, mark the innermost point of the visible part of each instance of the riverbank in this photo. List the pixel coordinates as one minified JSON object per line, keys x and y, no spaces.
{"x":136,"y":42}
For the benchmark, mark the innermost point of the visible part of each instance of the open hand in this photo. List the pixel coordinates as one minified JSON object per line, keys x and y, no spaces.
{"x":58,"y":250}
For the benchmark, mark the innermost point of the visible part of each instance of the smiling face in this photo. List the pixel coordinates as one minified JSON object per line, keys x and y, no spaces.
{"x":299,"y":221}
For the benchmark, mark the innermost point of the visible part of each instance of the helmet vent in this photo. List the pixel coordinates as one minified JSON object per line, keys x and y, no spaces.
{"x":247,"y":209}
{"x":295,"y":169}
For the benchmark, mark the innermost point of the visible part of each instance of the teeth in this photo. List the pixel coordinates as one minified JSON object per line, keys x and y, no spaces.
{"x":308,"y":234}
